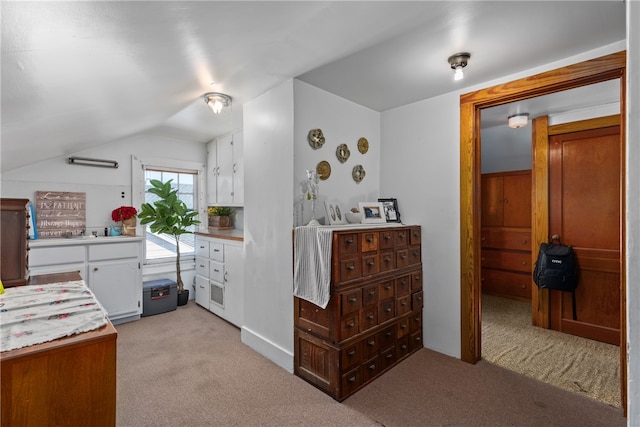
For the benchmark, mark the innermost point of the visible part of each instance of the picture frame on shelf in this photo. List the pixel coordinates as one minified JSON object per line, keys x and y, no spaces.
{"x":391,"y":212}
{"x":372,"y":212}
{"x":335,"y":213}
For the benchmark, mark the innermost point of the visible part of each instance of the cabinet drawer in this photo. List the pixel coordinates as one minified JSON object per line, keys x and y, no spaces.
{"x":415,"y":321}
{"x":387,"y":358}
{"x":112,"y":251}
{"x":386,"y":337}
{"x":401,"y":238}
{"x":403,"y":305}
{"x":369,"y":317}
{"x":370,"y":369}
{"x":386,"y":310}
{"x":216,"y":251}
{"x":350,"y":269}
{"x":56,"y":255}
{"x":387,"y":261}
{"x":403,"y":327}
{"x":350,"y":301}
{"x":415,"y":238}
{"x":506,"y":239}
{"x":216,"y":271}
{"x":347,"y":244}
{"x":370,"y":264}
{"x":402,"y":258}
{"x":351,"y":381}
{"x":403,"y":286}
{"x":416,"y":282}
{"x":350,"y":356}
{"x":386,"y":290}
{"x":369,"y":241}
{"x":369,"y":346}
{"x":506,"y":283}
{"x":506,"y":260}
{"x":349,"y":326}
{"x":416,"y":301}
{"x":402,"y":347}
{"x":370,"y":295}
{"x":415,"y":341}
{"x":414,"y":255}
{"x":202,"y":266}
{"x":387,"y":239}
{"x":202,"y":248}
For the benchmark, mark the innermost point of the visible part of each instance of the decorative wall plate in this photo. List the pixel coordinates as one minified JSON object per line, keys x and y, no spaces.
{"x":323,"y":170}
{"x":316,"y":138}
{"x":358,"y":173}
{"x":363,"y":145}
{"x":343,"y":153}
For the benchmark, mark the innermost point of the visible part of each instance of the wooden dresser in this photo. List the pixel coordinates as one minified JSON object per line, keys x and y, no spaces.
{"x":14,"y":240}
{"x":506,"y":234}
{"x":374,"y":316}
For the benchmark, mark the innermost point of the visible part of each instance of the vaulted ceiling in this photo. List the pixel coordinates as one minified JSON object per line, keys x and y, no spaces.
{"x":81,"y":74}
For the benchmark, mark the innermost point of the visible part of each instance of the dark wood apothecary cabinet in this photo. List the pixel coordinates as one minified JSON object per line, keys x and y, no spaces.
{"x":374,"y":316}
{"x":14,"y":238}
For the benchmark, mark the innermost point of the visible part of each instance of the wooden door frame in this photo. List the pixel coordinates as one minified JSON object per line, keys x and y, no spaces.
{"x":596,"y":70}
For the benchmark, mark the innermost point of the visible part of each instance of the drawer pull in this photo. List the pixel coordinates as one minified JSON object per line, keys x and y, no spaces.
{"x":418,"y":339}
{"x":371,"y":343}
{"x":416,"y":234}
{"x":372,"y":367}
{"x":403,"y":256}
{"x":351,"y":325}
{"x":369,"y":239}
{"x":524,"y":242}
{"x":372,"y":293}
{"x":419,"y":298}
{"x":349,"y":241}
{"x":415,"y":253}
{"x":351,"y":267}
{"x":216,"y":250}
{"x":351,"y":379}
{"x":403,"y":326}
{"x":201,"y":247}
{"x":201,"y":266}
{"x":388,"y":287}
{"x":371,"y":263}
{"x":351,"y":353}
{"x":403,"y":347}
{"x":387,"y":259}
{"x":401,"y":235}
{"x":388,"y":333}
{"x":483,"y":238}
{"x":387,"y":237}
{"x":216,"y":270}
{"x":389,"y":356}
{"x":353,"y":299}
{"x":370,"y":317}
{"x":201,"y":287}
{"x":524,"y":262}
{"x":403,"y":303}
{"x":387,"y":309}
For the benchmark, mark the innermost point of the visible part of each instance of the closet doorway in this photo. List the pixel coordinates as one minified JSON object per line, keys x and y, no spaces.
{"x":593,"y":71}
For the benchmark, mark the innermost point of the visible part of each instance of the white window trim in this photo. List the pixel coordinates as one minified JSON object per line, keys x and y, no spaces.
{"x":138,"y":167}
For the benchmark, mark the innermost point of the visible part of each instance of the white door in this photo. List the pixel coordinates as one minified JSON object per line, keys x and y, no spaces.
{"x":234,"y":284}
{"x":224,"y":153}
{"x":116,"y":286}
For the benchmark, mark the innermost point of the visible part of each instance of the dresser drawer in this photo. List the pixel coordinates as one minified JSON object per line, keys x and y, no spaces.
{"x":415,"y":321}
{"x":370,"y":264}
{"x":401,"y":238}
{"x":402,"y":258}
{"x":387,"y":239}
{"x":350,"y":301}
{"x":416,"y":301}
{"x":402,"y":347}
{"x":387,"y":358}
{"x":506,"y":260}
{"x":202,"y":266}
{"x":369,"y":241}
{"x":216,"y":271}
{"x":386,"y":290}
{"x":415,"y":238}
{"x":416,"y":281}
{"x":350,"y":356}
{"x":369,"y":317}
{"x":403,"y":305}
{"x":403,"y":327}
{"x":403,"y":286}
{"x":349,"y":326}
{"x":347,"y":243}
{"x":506,"y":283}
{"x":202,"y":248}
{"x":370,"y":295}
{"x":387,"y":260}
{"x":369,"y":346}
{"x":415,"y":341}
{"x":414,"y":255}
{"x":351,"y":381}
{"x":386,"y":337}
{"x":506,"y":239}
{"x":349,"y":269}
{"x":216,"y":251}
{"x":370,"y":369}
{"x":386,"y":310}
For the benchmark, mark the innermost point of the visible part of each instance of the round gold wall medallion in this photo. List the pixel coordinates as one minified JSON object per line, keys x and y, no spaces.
{"x":316,"y":138}
{"x":363,"y":145}
{"x":323,"y":170}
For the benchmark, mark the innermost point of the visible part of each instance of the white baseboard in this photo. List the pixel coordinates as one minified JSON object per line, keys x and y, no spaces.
{"x":268,"y":349}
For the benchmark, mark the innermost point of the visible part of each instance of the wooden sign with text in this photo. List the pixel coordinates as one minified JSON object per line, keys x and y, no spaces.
{"x":59,"y":213}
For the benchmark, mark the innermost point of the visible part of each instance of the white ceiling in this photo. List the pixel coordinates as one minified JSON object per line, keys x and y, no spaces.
{"x":81,"y":74}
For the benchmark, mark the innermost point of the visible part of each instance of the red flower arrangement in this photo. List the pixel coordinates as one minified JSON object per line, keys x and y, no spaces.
{"x":123,"y":212}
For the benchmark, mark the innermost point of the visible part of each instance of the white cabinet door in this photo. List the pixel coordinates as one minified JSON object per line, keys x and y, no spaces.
{"x":224,"y":150}
{"x":238,"y":168}
{"x":116,"y":284}
{"x":202,"y":291}
{"x":212,"y":173}
{"x":234,"y":284}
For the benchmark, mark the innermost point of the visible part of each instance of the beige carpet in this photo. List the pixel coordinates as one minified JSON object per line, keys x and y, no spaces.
{"x":189,"y":368}
{"x":580,"y":365}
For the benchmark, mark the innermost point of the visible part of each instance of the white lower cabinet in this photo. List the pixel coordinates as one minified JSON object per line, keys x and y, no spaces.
{"x":220,"y":277}
{"x":111,"y":268}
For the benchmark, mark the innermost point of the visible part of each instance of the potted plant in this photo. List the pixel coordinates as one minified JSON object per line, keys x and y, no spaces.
{"x":220,"y":217}
{"x":169,"y":215}
{"x":126,"y":215}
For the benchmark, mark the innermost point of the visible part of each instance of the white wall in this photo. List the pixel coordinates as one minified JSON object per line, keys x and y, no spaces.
{"x":342,"y":122}
{"x":633,"y":212}
{"x":268,"y":212}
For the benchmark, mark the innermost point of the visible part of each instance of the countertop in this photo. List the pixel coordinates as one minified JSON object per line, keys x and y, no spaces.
{"x":63,"y":241}
{"x":234,"y":234}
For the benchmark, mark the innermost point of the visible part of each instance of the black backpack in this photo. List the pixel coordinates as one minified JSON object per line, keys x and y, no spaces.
{"x":556,"y":268}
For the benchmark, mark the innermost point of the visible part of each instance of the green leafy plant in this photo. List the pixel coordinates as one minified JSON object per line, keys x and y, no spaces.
{"x":168,"y":215}
{"x":219,"y":211}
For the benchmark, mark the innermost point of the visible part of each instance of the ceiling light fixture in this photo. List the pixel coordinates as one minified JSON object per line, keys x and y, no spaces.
{"x":518,"y":120}
{"x":217,"y":101}
{"x":458,"y":62}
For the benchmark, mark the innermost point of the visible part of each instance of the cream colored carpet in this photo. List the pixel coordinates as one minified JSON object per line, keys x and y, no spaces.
{"x":584,"y":366}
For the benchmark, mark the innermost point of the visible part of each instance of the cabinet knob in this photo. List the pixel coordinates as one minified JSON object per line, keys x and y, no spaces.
{"x":351,"y":267}
{"x":371,"y":263}
{"x":351,"y":353}
{"x":95,"y":268}
{"x":370,"y":317}
{"x":369,"y":239}
{"x":352,"y":299}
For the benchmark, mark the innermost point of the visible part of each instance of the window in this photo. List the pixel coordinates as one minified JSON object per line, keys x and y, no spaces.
{"x":162,"y":246}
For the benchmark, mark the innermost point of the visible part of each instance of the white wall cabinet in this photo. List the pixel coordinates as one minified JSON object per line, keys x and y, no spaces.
{"x":111,"y":267}
{"x":220,"y":277}
{"x":225,"y":171}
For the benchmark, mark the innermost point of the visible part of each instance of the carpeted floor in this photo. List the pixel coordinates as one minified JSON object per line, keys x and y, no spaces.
{"x":580,"y":365}
{"x":189,"y":368}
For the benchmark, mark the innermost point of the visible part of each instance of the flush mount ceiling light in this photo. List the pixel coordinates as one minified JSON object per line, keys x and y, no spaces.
{"x":518,"y":120}
{"x":217,"y":101}
{"x":458,"y":62}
